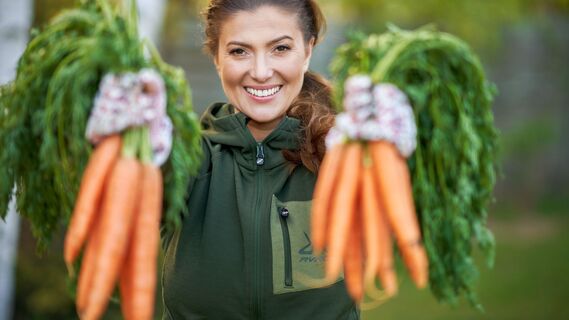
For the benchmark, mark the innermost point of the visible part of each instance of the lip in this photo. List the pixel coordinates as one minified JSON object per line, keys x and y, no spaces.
{"x":265,"y":87}
{"x":262,"y":99}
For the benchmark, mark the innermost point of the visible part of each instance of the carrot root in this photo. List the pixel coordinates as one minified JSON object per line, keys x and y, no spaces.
{"x":353,"y":261}
{"x":89,"y":196}
{"x":138,"y":277}
{"x":394,"y":183}
{"x":121,"y":196}
{"x":323,"y":192}
{"x":343,"y":208}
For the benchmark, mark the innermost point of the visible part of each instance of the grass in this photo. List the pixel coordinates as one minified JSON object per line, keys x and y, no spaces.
{"x":527,"y":282}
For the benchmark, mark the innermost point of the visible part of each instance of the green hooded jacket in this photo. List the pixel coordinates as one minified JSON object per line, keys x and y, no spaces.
{"x":244,"y":250}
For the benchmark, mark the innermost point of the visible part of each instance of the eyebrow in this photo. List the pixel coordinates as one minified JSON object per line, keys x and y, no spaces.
{"x":243,"y":44}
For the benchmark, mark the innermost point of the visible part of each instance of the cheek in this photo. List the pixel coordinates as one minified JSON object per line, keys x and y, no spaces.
{"x":293,"y":75}
{"x":231,"y":74}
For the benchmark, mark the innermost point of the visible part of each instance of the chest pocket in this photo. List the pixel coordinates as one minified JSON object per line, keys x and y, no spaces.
{"x":295,"y":267}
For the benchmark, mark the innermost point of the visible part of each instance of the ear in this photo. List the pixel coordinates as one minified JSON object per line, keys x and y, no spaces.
{"x":309,"y":48}
{"x":216,"y":62}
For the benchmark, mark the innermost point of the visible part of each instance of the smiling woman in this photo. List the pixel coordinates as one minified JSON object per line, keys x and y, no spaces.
{"x":245,"y":249}
{"x":295,"y":26}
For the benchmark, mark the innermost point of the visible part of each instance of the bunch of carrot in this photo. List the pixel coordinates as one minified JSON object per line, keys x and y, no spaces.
{"x":115,"y":222}
{"x":362,"y":199}
{"x":454,"y":163}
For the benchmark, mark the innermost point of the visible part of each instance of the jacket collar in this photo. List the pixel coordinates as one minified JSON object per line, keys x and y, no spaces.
{"x":223,"y":125}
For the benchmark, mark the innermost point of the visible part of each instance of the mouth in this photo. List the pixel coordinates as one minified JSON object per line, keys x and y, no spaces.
{"x":263,"y":93}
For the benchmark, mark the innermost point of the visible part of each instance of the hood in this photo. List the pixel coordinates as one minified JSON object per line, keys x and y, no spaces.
{"x":223,"y":125}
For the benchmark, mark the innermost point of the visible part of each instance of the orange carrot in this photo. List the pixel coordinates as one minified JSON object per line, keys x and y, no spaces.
{"x":87,"y":267}
{"x":379,"y":253}
{"x":343,"y":208}
{"x":385,"y":269}
{"x":323,"y":193}
{"x":371,"y":210}
{"x":121,"y":195}
{"x":353,"y":259}
{"x":394,"y":183}
{"x":125,"y":280}
{"x":138,"y":276}
{"x":88,"y":199}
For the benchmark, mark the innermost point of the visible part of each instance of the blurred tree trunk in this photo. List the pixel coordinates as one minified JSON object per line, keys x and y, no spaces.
{"x":15,"y":20}
{"x":9,"y":231}
{"x":151,"y":17}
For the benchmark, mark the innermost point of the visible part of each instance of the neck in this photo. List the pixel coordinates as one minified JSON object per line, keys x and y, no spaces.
{"x":260,"y":130}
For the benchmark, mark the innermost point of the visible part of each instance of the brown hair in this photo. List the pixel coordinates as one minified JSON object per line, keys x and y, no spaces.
{"x":313,"y":105}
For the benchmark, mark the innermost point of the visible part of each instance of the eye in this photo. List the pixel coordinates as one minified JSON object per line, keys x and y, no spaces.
{"x":237,"y":52}
{"x":282,"y":48}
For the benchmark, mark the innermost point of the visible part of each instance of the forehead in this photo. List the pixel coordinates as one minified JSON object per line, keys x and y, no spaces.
{"x":262,"y":24}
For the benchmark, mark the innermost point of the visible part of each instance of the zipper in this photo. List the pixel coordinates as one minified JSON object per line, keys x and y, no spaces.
{"x":283,"y":213}
{"x":257,"y":288}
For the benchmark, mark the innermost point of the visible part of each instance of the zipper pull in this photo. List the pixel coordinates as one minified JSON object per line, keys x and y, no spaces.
{"x":284,"y":212}
{"x":260,"y":155}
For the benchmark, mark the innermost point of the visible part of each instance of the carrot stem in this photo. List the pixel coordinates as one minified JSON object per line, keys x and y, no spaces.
{"x":131,"y":143}
{"x":145,"y":146}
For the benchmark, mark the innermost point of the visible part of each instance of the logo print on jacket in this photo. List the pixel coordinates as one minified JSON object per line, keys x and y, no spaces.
{"x":306,"y":253}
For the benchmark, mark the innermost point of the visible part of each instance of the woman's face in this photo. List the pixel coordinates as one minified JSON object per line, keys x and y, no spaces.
{"x":261,"y":61}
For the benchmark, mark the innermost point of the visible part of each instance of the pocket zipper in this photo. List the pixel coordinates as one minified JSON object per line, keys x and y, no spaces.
{"x":284,"y":213}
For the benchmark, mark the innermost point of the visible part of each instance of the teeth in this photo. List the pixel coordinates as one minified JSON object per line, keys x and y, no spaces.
{"x":263,"y":93}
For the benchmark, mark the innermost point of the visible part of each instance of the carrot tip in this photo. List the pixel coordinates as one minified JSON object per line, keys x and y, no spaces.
{"x":70,"y":270}
{"x":421,"y":282}
{"x":391,"y":291}
{"x":331,"y":277}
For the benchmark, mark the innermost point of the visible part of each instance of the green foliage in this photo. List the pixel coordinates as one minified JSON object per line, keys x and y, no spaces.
{"x":479,"y":22}
{"x":453,"y":167}
{"x":44,"y":111}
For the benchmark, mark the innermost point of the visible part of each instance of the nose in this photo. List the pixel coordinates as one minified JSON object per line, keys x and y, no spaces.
{"x":262,"y":69}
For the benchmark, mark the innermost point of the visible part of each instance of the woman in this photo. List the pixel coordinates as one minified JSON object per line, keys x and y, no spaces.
{"x":244,"y":251}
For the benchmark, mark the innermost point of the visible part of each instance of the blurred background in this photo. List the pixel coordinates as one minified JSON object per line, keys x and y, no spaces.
{"x":524,"y":46}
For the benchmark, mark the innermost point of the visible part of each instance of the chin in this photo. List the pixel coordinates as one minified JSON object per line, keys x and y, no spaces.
{"x":264,"y":119}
